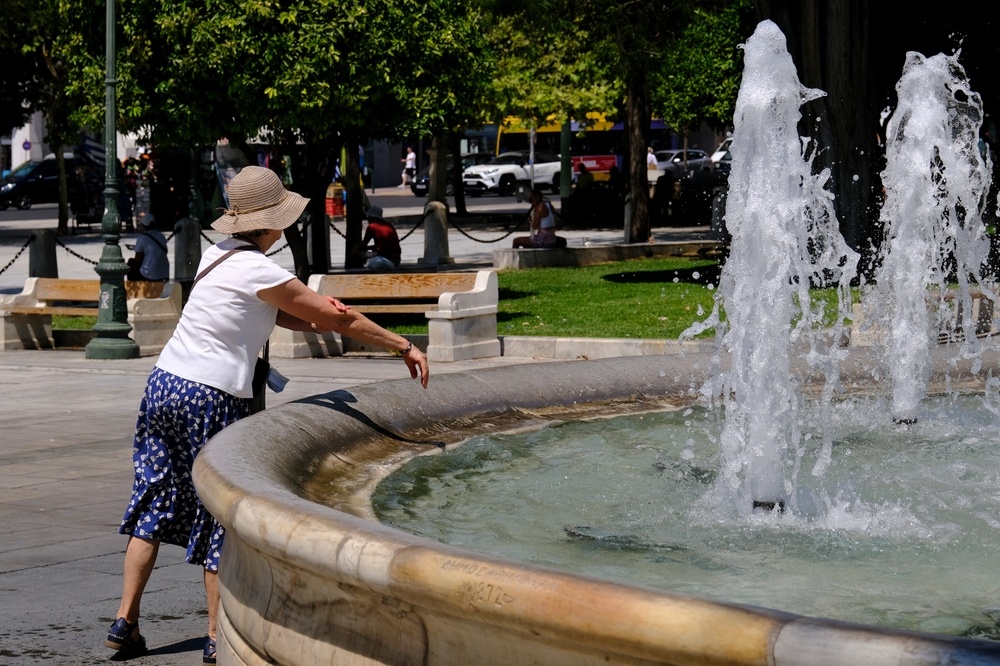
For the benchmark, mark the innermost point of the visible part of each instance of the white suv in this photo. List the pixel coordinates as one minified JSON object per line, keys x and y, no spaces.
{"x":503,"y":173}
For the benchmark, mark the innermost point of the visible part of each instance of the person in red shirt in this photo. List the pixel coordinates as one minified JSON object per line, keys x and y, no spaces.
{"x":386,"y":253}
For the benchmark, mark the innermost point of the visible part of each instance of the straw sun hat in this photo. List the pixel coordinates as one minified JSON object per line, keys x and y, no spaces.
{"x":258,"y":200}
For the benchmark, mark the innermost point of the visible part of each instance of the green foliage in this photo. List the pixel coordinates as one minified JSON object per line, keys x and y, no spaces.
{"x":699,"y":78}
{"x":546,"y":64}
{"x":52,"y":46}
{"x":199,"y":71}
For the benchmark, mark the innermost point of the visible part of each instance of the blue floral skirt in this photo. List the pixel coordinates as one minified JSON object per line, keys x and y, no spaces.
{"x":176,"y":418}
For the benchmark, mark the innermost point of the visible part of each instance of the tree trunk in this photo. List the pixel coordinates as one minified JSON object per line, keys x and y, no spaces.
{"x":354,"y":255}
{"x":318,"y":172}
{"x":637,"y":117}
{"x":63,"y":226}
{"x":293,"y":234}
{"x":830,"y":44}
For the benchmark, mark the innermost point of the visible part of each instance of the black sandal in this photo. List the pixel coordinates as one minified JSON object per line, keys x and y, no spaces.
{"x":120,"y":637}
{"x":208,"y":656}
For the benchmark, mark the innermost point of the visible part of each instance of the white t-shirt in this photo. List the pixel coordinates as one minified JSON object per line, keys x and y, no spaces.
{"x":224,"y":324}
{"x":411,"y":160}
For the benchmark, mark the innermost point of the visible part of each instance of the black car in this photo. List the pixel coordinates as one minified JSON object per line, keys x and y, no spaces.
{"x":421,"y":184}
{"x":33,"y":182}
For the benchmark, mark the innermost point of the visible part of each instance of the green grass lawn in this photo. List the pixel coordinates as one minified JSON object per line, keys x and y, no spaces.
{"x":583,"y":302}
{"x":65,"y":323}
{"x":580,"y":302}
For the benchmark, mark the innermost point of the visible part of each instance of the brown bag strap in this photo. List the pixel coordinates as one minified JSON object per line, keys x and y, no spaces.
{"x":221,"y":259}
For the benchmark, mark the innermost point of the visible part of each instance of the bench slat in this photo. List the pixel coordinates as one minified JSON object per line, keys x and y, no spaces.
{"x":384,"y":286}
{"x":50,"y":310}
{"x":56,"y":289}
{"x":406,"y":308}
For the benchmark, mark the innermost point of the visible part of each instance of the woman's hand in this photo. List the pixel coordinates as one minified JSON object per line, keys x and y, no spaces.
{"x":338,"y":306}
{"x":417,"y":363}
{"x":341,"y":308}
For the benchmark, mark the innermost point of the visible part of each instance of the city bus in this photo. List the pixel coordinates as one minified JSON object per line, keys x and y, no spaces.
{"x":596,"y":141}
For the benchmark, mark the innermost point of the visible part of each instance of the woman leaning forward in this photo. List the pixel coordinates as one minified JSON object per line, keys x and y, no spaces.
{"x":201,"y":383}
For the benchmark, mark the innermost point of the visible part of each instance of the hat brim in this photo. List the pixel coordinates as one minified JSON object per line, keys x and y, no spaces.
{"x":279,"y":216}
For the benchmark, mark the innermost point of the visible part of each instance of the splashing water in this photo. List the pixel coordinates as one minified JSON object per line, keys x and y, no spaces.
{"x":785,"y":238}
{"x":935,"y":182}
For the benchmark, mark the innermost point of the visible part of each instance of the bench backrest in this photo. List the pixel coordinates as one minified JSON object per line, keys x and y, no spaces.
{"x":383,"y":286}
{"x":56,"y":289}
{"x":89,"y":291}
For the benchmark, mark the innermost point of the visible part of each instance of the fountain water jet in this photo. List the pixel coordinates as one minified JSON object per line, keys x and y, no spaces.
{"x":936,"y":183}
{"x":786,"y":239}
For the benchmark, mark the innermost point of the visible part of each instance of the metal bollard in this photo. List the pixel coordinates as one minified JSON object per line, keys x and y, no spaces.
{"x":187,"y":253}
{"x":42,"y":255}
{"x":435,"y":235}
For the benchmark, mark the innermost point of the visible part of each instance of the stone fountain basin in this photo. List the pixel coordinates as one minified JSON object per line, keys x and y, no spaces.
{"x":308,"y":576}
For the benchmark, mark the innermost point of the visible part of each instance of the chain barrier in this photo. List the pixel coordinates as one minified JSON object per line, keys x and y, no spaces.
{"x":417,"y":226}
{"x":497,"y":240}
{"x":452,"y":224}
{"x":339,"y":232}
{"x":74,"y":253}
{"x":305,"y":225}
{"x":24,"y":247}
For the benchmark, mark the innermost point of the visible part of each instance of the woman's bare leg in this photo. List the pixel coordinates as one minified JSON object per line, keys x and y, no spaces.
{"x":140,"y":558}
{"x":212,"y":596}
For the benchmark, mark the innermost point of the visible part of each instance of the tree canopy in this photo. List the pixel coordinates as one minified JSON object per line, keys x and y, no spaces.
{"x":322,"y":73}
{"x":699,"y":77}
{"x":51,"y":45}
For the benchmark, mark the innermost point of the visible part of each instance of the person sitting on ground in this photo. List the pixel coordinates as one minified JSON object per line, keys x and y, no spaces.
{"x":584,"y":179}
{"x":616,"y":182}
{"x":150,"y":262}
{"x":542,"y":220}
{"x":385,"y":251}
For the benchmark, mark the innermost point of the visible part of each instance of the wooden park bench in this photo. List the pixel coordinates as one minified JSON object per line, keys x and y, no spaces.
{"x":391,"y":293}
{"x":461,"y":309}
{"x":945,"y":326}
{"x":154,"y":309}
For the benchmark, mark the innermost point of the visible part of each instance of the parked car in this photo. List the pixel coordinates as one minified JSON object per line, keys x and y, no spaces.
{"x":34,"y":181}
{"x":422,"y":182}
{"x":502,"y":174}
{"x":721,"y":152}
{"x":725,"y":163}
{"x":673,"y":161}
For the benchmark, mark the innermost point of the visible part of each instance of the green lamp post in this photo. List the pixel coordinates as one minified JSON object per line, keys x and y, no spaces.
{"x":111,"y":329}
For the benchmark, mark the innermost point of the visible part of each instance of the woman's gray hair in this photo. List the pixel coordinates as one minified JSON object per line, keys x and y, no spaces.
{"x":253,"y":233}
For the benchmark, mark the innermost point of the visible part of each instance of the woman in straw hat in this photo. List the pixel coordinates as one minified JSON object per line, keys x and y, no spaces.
{"x":202,"y":382}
